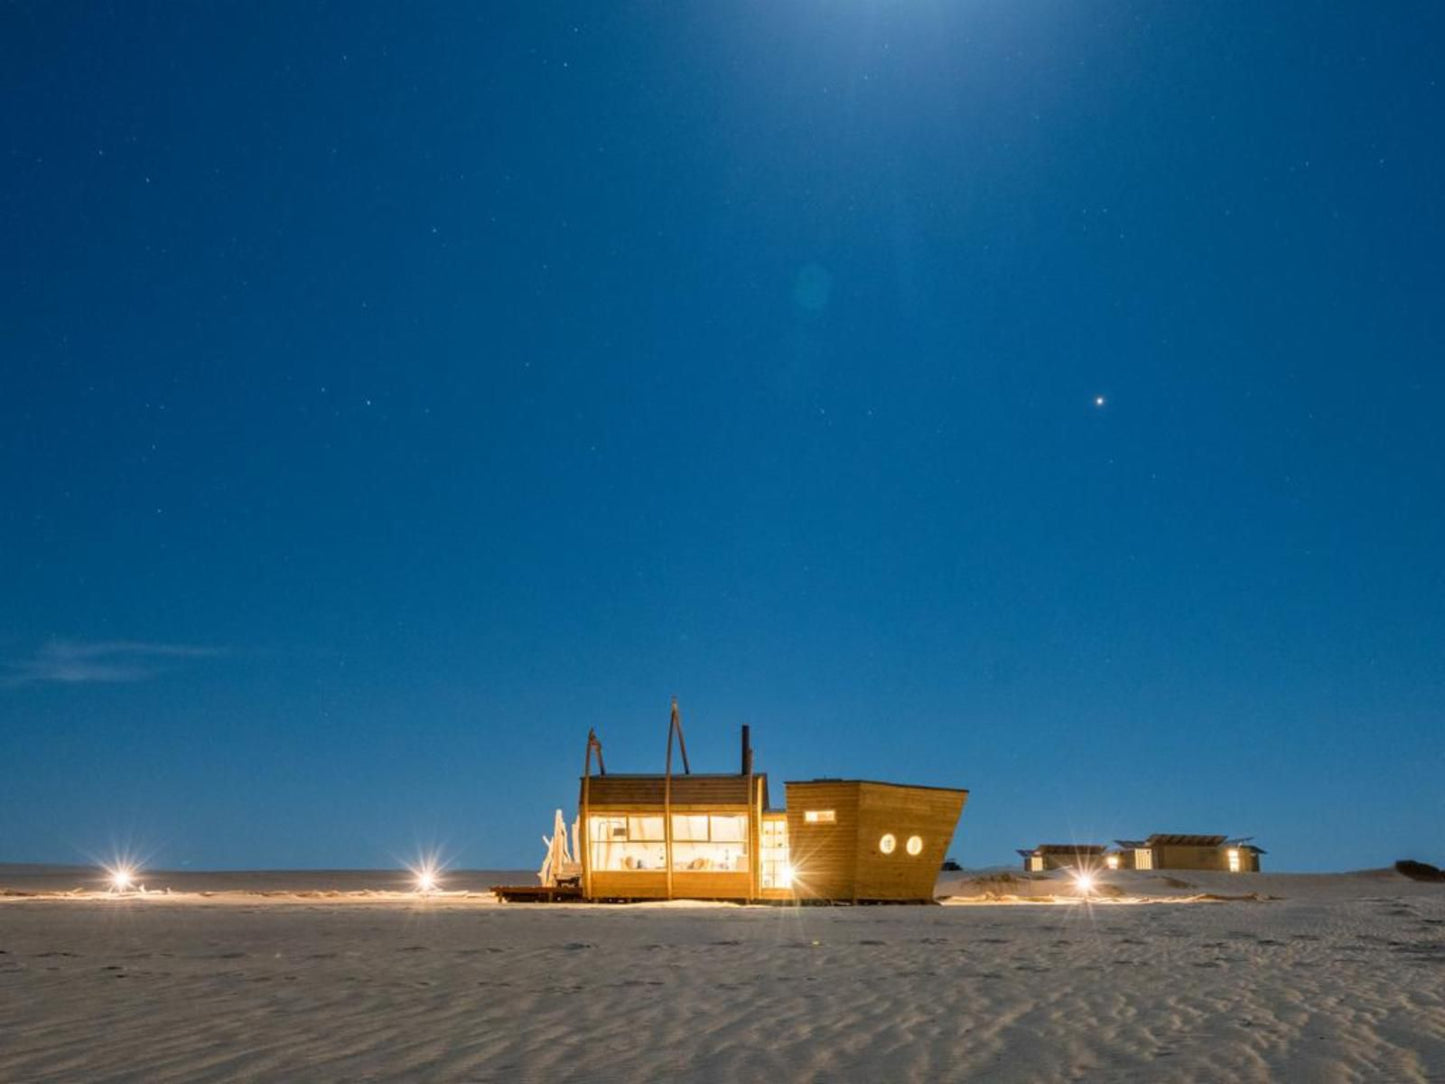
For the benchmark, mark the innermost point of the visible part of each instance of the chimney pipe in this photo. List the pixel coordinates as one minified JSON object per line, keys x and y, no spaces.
{"x":747,"y":751}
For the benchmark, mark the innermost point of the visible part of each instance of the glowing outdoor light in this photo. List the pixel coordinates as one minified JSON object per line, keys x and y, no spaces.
{"x":1084,"y":882}
{"x":428,"y":876}
{"x":121,"y":878}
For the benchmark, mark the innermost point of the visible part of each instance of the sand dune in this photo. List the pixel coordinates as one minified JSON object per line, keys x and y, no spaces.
{"x":1339,"y":979}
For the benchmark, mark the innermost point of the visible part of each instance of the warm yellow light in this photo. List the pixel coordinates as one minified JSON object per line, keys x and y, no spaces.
{"x":785,"y":880}
{"x":426,"y":880}
{"x":915,"y":845}
{"x":888,"y":843}
{"x":121,"y":878}
{"x":1112,"y":861}
{"x":1084,"y":882}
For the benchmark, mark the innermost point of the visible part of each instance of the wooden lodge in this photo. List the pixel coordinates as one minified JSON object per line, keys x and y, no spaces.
{"x":680,"y":835}
{"x":1176,"y":851}
{"x":1047,"y":856}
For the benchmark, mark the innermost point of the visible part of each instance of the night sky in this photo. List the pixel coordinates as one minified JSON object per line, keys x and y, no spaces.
{"x":1038,"y":398}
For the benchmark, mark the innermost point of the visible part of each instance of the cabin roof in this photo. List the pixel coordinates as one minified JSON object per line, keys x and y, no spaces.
{"x":1174,"y":839}
{"x":650,"y":789}
{"x":874,"y":783}
{"x":1067,"y":848}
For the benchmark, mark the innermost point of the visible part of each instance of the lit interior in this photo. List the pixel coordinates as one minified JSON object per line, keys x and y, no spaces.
{"x":888,"y":843}
{"x":915,"y":845}
{"x":701,"y":842}
{"x":776,"y":871}
{"x":819,"y":816}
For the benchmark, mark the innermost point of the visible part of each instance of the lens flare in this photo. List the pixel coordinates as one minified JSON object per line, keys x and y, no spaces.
{"x":122,"y":878}
{"x":1084,"y":882}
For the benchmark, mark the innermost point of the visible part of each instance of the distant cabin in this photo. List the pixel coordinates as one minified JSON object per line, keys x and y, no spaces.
{"x":680,"y":835}
{"x":1176,"y":851}
{"x":1047,"y":856}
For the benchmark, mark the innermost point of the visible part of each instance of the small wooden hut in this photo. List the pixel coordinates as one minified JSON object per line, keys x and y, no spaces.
{"x":1172,"y":850}
{"x":1047,"y":856}
{"x":714,"y":836}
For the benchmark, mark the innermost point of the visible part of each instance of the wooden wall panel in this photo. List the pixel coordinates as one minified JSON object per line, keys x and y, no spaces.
{"x":931,"y":814}
{"x":823,"y":856}
{"x":1166,"y":857}
{"x":629,"y":885}
{"x":639,"y":791}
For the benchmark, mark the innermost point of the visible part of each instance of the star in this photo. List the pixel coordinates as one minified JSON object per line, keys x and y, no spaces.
{"x":1098,"y":400}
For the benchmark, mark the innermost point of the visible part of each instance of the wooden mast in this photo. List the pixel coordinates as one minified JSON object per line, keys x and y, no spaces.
{"x":593,"y":742}
{"x":674,"y":726}
{"x":755,"y":815}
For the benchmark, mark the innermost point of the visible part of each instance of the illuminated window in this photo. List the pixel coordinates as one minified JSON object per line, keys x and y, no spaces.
{"x":775,"y":869}
{"x":819,"y":816}
{"x":713,"y":843}
{"x":915,"y":845}
{"x":1036,"y":863}
{"x":1143,"y":858}
{"x":626,"y":843}
{"x":1233,"y":860}
{"x":887,"y":843}
{"x":1112,"y":861}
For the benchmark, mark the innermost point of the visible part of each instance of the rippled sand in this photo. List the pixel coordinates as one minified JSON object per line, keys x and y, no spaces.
{"x":1341,"y":979}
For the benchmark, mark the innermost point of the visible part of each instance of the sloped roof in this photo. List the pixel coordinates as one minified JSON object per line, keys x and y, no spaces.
{"x":1173,"y":839}
{"x":1069,"y":848}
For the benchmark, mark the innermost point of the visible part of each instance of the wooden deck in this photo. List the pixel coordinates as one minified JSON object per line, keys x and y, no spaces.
{"x":537,"y":893}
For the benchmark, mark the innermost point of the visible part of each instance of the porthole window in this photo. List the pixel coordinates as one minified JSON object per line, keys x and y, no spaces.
{"x":887,"y":843}
{"x":915,"y":845}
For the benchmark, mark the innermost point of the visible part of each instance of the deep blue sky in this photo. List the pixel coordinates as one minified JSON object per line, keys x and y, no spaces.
{"x":390,"y":393}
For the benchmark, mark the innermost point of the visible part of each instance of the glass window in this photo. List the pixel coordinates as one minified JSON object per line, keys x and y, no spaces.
{"x":689,"y":827}
{"x":716,"y":843}
{"x":775,"y":870}
{"x":728,"y":829}
{"x":641,"y":828}
{"x":626,"y":843}
{"x":915,"y":845}
{"x":819,"y":816}
{"x":887,"y":843}
{"x":1143,"y":858}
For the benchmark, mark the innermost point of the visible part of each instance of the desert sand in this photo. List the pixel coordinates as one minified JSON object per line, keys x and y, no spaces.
{"x":348,"y":976}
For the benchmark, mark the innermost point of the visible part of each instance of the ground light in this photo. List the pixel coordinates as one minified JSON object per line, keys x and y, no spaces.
{"x":428,"y":877}
{"x":1084,"y":882}
{"x":122,"y":878}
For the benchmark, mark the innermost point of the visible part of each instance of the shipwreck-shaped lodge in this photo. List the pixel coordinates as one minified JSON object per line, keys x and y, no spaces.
{"x":686,"y":835}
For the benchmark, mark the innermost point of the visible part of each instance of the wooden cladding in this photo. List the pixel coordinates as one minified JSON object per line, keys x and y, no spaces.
{"x":640,"y":791}
{"x":887,"y":842}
